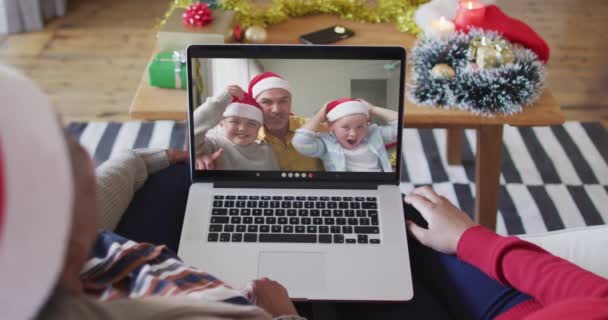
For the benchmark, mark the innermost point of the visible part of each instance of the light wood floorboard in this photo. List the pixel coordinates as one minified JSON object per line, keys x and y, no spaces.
{"x":91,"y":60}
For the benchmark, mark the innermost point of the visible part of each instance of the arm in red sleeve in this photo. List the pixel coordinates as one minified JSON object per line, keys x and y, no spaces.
{"x":528,"y":268}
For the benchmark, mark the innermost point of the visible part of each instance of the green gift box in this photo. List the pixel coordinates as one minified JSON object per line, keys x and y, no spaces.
{"x":168,"y":70}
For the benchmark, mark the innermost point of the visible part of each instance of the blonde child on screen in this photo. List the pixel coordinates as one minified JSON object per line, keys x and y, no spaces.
{"x":234,"y":146}
{"x":353,"y":144}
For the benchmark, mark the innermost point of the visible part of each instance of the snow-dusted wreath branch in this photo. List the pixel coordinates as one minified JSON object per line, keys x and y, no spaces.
{"x":497,"y":79}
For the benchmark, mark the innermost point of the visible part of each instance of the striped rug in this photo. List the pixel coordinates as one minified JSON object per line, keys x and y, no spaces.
{"x":552,"y":177}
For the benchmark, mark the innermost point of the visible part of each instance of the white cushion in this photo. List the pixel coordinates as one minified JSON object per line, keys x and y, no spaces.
{"x":584,"y":246}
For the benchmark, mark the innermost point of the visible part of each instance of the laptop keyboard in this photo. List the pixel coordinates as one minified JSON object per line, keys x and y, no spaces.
{"x":294,"y":219}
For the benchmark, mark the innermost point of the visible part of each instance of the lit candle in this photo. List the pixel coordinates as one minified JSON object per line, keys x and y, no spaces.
{"x":470,"y":12}
{"x":441,"y":29}
{"x":471,"y":4}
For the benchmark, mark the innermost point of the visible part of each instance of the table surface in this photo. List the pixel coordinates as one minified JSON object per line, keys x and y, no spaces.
{"x":152,"y":103}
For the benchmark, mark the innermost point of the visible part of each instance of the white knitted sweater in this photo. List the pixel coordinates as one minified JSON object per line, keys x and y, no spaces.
{"x":119,"y":178}
{"x":256,"y":156}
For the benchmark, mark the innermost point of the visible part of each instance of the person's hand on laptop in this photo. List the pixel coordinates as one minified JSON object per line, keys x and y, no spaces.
{"x":271,"y":296}
{"x":208,"y":161}
{"x":446,"y":223}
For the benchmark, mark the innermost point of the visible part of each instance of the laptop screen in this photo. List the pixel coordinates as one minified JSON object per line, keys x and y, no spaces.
{"x":296,"y":112}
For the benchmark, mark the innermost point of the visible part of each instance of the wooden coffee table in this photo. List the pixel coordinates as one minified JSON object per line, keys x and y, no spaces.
{"x":152,"y":103}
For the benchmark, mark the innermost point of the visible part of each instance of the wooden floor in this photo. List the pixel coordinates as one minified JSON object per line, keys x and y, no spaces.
{"x":91,"y":61}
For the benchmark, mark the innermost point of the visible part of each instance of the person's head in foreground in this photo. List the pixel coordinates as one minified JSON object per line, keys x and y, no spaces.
{"x":348,"y":120}
{"x":48,"y":214}
{"x":48,"y":211}
{"x":273,"y":94}
{"x":242,"y":121}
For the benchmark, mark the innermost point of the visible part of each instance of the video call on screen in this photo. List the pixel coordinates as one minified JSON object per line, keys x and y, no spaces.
{"x":348,"y":145}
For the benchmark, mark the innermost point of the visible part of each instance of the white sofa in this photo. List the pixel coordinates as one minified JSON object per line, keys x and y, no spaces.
{"x":584,"y":246}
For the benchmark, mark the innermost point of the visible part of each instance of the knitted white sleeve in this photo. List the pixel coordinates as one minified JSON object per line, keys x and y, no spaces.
{"x":119,"y":177}
{"x":389,"y":131}
{"x":308,"y":143}
{"x":273,"y":161}
{"x":207,"y":116}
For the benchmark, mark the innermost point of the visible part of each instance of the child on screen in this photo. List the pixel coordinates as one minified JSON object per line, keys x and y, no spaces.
{"x":240,"y":118}
{"x":353,"y":144}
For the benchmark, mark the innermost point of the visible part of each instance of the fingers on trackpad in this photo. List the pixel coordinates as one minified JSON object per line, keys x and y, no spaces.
{"x":302,"y":273}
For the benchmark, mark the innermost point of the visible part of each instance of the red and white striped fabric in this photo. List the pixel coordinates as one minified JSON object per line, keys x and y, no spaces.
{"x":36,"y":196}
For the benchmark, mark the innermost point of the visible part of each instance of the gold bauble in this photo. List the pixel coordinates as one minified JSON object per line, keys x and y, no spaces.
{"x":443,"y":71}
{"x":490,"y":53}
{"x":256,"y":34}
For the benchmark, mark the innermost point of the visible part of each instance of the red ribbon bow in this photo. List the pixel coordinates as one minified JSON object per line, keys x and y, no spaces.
{"x":198,"y":15}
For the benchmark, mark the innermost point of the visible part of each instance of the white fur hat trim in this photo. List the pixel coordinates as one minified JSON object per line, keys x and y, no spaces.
{"x":39,"y":195}
{"x":244,"y":110}
{"x":347,"y":108}
{"x":269,"y":83}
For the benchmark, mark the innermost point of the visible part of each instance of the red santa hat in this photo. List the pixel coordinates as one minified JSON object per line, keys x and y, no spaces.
{"x":36,"y":196}
{"x":492,"y":18}
{"x":266,"y":81}
{"x":343,"y":107}
{"x":246,"y":108}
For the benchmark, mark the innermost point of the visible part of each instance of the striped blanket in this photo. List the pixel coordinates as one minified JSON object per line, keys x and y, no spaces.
{"x":119,"y":268}
{"x":552,"y":177}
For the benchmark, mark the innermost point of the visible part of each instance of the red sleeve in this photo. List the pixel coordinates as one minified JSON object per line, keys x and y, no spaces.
{"x":528,"y":268}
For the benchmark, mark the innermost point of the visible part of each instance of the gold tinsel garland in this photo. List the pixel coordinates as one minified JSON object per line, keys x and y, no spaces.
{"x":249,"y":14}
{"x":174,"y":5}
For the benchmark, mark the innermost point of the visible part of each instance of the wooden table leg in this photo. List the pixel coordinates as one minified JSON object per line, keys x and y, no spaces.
{"x":455,"y":138}
{"x":487,"y":174}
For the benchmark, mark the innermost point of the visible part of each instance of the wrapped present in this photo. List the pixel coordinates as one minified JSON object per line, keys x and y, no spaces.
{"x":174,"y":35}
{"x":168,"y":70}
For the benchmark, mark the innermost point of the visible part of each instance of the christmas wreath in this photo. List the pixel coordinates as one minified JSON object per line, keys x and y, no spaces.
{"x":479,"y":72}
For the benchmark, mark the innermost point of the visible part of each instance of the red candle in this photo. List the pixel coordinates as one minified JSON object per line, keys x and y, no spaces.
{"x":470,"y":12}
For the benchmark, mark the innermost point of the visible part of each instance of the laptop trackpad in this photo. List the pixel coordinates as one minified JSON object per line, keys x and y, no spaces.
{"x":302,"y":273}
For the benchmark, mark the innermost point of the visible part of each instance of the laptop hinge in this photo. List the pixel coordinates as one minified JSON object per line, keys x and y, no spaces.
{"x":295,"y":185}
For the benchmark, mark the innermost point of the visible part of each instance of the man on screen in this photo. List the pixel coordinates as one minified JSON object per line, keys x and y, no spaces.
{"x":273,"y":94}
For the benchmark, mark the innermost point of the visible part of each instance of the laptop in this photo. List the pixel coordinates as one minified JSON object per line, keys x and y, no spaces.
{"x":323,"y":234}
